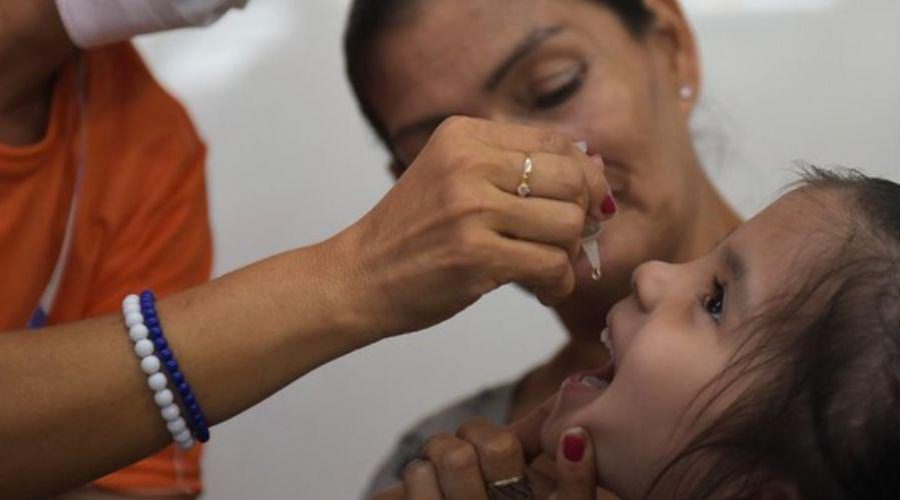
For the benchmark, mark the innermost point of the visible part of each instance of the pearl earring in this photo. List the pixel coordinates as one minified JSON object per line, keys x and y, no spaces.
{"x":685,"y":92}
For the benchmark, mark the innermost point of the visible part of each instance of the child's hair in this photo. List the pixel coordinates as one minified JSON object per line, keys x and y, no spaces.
{"x":821,"y":419}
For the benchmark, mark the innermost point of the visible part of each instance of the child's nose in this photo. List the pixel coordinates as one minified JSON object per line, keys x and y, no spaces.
{"x":650,"y":281}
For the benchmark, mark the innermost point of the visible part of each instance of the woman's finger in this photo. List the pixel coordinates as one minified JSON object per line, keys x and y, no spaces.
{"x":542,"y":221}
{"x":559,"y":169}
{"x":528,"y":428}
{"x":576,"y":467}
{"x":393,"y":493}
{"x":456,"y":464}
{"x":557,"y":177}
{"x":499,"y":452}
{"x":420,"y":481}
{"x":544,"y":269}
{"x":509,"y":136}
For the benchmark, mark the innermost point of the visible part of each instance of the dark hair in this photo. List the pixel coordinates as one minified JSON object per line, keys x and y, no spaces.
{"x":823,"y":418}
{"x":370,"y":18}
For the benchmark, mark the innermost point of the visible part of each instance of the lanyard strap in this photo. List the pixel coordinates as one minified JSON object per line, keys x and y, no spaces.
{"x":48,"y":298}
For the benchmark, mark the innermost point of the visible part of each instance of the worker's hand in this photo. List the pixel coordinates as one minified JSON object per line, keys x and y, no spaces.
{"x":456,"y":226}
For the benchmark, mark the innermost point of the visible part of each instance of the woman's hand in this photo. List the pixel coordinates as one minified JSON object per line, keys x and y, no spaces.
{"x":469,"y":465}
{"x":454,"y":228}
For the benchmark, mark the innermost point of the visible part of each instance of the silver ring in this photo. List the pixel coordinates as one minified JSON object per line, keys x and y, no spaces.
{"x":514,"y":488}
{"x":524,"y":189}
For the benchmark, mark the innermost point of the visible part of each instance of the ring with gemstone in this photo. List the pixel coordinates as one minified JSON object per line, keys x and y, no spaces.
{"x":524,"y":190}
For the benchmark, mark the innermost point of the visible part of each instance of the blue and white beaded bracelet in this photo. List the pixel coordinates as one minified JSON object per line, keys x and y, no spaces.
{"x":165,"y":354}
{"x":156,"y":379}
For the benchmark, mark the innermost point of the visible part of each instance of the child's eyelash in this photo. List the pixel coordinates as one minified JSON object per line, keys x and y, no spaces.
{"x":714,"y":301}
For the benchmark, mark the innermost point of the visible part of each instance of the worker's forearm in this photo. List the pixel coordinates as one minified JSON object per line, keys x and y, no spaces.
{"x":76,"y":404}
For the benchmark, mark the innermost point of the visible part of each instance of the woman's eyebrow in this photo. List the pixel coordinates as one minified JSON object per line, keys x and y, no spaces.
{"x":532,"y":41}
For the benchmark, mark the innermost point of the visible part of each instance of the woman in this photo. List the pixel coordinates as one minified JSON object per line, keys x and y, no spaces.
{"x":622,"y":75}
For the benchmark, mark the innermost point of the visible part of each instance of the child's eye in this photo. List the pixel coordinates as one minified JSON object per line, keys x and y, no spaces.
{"x":715,"y":302}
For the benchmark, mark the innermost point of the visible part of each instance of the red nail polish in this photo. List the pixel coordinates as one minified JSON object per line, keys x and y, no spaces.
{"x":573,"y":448}
{"x":608,"y":207}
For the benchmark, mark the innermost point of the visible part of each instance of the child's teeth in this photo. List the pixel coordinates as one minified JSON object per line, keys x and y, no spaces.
{"x":604,"y":338}
{"x":595,"y":382}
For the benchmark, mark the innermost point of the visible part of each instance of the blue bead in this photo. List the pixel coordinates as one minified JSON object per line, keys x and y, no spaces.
{"x":159,"y":343}
{"x":197,"y":417}
{"x":151,"y":321}
{"x":177,"y":377}
{"x":164,"y":355}
{"x":147,"y":294}
{"x":189,"y":399}
{"x":156,"y":331}
{"x":202,"y":435}
{"x":172,"y":365}
{"x":184,"y":389}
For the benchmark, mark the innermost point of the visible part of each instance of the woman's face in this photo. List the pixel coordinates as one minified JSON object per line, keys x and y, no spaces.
{"x":674,"y":335}
{"x":568,"y":65}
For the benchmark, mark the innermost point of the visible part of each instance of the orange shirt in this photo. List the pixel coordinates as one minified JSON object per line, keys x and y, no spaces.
{"x":141,"y":219}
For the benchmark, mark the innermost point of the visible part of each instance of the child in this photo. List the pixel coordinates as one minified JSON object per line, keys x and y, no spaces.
{"x":767,"y":369}
{"x":770,"y":368}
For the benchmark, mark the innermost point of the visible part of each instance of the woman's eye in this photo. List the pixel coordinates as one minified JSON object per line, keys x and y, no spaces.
{"x":565,"y":87}
{"x":715,"y":302}
{"x":557,"y":97}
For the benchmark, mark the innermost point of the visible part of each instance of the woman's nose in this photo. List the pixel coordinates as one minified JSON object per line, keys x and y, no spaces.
{"x":650,"y":282}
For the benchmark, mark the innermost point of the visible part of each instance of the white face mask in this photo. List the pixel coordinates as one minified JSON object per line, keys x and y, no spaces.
{"x":97,"y":22}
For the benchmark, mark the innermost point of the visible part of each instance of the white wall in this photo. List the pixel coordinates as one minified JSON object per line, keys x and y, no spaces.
{"x":291,"y":163}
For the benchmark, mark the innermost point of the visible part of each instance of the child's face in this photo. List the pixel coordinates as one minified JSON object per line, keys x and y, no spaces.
{"x":673,"y":335}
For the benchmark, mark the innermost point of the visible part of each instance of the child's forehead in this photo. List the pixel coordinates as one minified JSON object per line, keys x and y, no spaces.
{"x":802,"y":211}
{"x":789,"y":237}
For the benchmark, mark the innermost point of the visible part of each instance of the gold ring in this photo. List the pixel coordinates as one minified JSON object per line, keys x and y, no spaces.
{"x":524,"y":190}
{"x":514,"y":488}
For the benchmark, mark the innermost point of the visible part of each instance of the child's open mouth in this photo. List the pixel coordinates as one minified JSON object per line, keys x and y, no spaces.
{"x":594,"y":381}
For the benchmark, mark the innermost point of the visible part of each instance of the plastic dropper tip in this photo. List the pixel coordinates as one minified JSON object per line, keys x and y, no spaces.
{"x":593,"y":254}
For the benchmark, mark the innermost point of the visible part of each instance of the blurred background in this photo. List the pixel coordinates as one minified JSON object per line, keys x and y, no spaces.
{"x":291,"y":162}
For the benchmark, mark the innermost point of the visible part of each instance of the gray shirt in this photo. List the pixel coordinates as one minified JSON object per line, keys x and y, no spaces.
{"x":494,"y":403}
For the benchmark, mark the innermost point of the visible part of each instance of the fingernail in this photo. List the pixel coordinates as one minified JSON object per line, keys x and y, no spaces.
{"x":573,"y":446}
{"x":608,"y":207}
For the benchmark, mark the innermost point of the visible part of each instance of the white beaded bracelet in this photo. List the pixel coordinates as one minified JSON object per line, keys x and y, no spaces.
{"x":156,"y":379}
